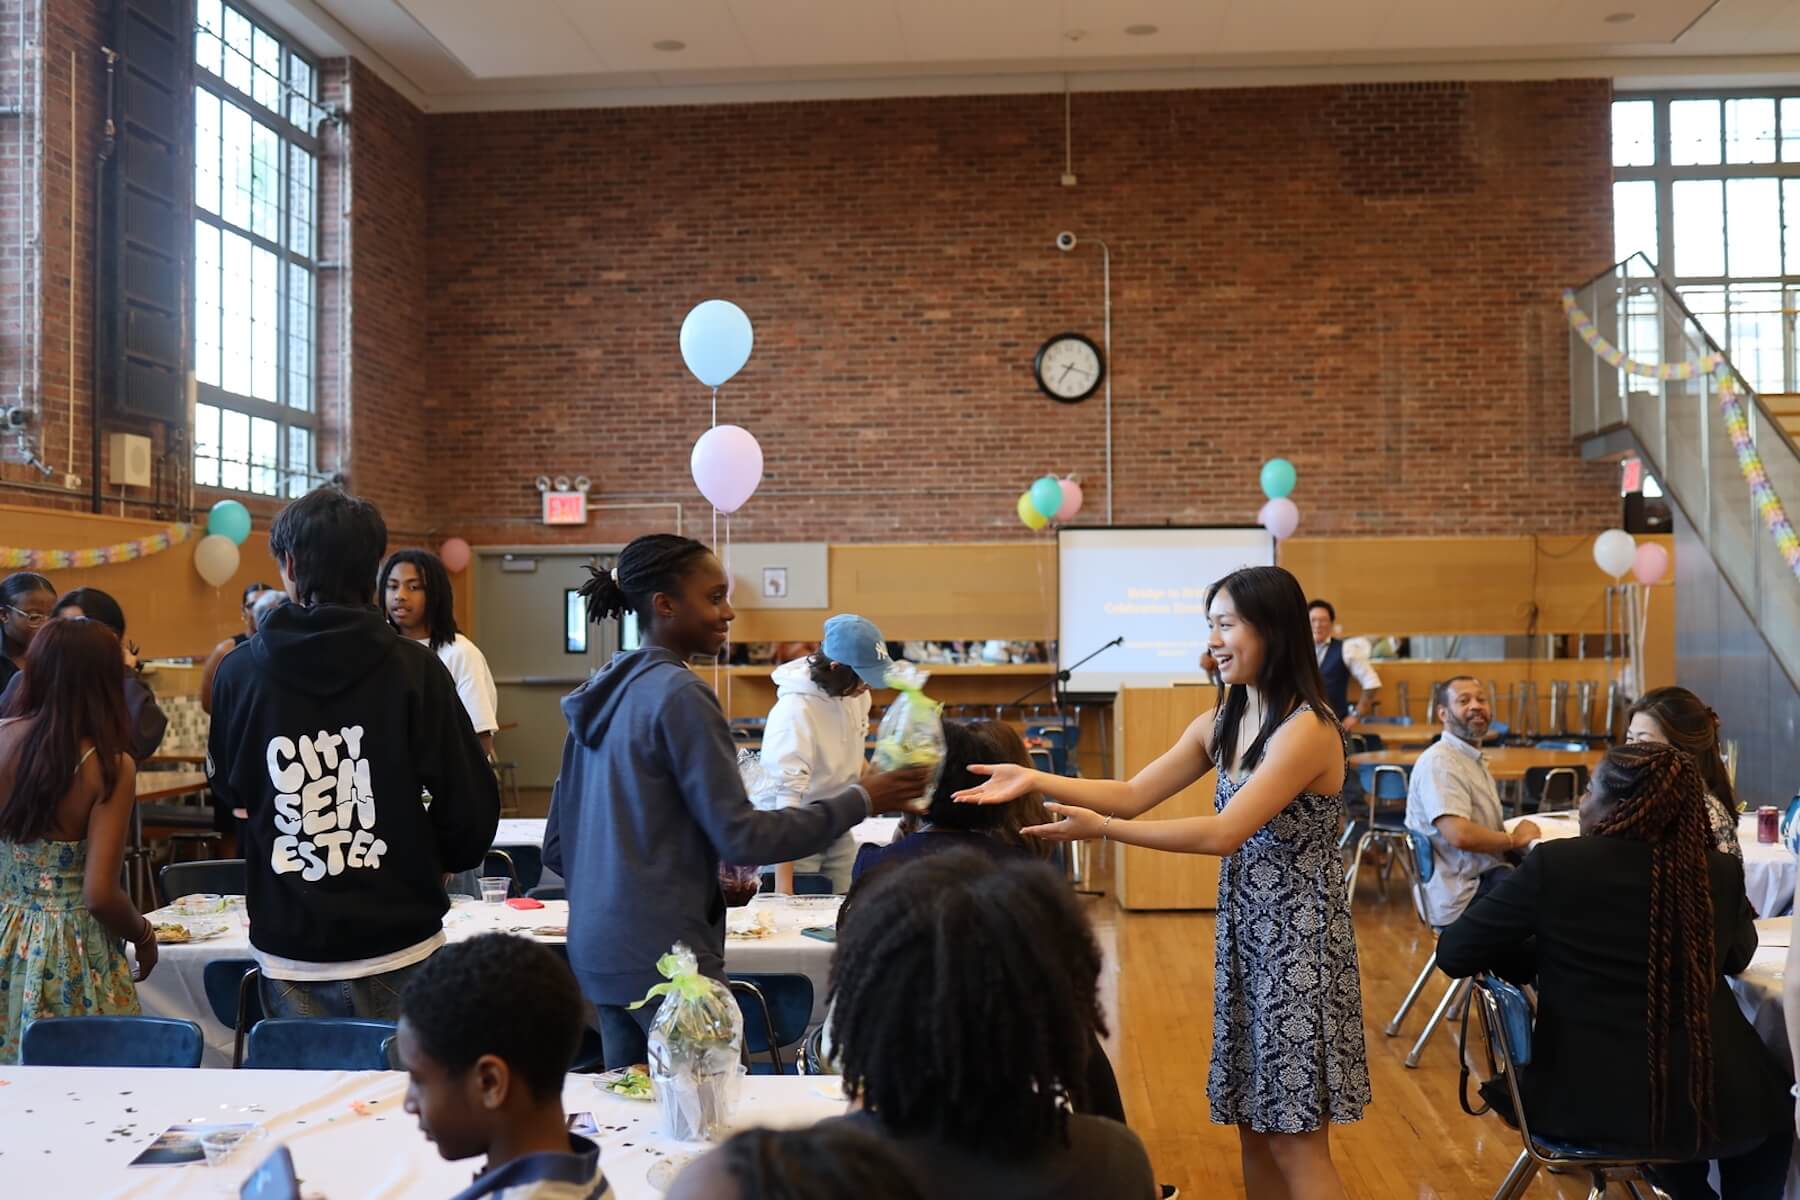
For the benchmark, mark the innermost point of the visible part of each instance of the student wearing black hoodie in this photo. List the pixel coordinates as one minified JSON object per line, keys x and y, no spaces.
{"x":329,"y":730}
{"x":649,"y":798}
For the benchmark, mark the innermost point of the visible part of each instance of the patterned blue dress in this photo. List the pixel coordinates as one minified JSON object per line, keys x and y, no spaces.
{"x":1288,"y":1051}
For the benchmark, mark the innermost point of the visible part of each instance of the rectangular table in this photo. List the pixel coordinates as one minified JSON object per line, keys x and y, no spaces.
{"x":70,"y":1131}
{"x":176,"y":988}
{"x":1758,"y":993}
{"x":529,"y":831}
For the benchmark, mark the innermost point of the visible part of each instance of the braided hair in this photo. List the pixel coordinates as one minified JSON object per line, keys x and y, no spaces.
{"x":828,"y":1161}
{"x":648,"y":565}
{"x":1660,"y":798}
{"x":964,"y":1002}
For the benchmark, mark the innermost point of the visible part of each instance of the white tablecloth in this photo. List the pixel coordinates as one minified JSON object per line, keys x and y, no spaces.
{"x":176,"y":988}
{"x":1758,"y":992}
{"x":529,"y":831}
{"x":1769,"y":870}
{"x":71,"y":1131}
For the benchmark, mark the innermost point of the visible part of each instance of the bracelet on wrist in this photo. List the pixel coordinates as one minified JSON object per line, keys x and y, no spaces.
{"x":1103,"y":824}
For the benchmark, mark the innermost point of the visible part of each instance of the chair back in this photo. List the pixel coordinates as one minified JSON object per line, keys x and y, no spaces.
{"x":1548,"y":789}
{"x":1573,"y":747}
{"x":806,"y":883}
{"x":1401,"y":719}
{"x":527,"y":863}
{"x":110,"y":1042}
{"x":234,"y":997}
{"x":318,"y":1044}
{"x":1423,"y":864}
{"x":549,"y":891}
{"x":812,"y":1055}
{"x":497,"y":862}
{"x":777,"y":1009}
{"x":215,"y":876}
{"x":1042,"y":759}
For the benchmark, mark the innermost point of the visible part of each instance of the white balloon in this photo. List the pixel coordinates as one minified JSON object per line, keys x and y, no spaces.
{"x":1614,"y":552}
{"x":216,"y":558}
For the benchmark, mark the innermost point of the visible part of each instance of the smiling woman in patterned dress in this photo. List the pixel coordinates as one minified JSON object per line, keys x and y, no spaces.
{"x":1288,"y":1057}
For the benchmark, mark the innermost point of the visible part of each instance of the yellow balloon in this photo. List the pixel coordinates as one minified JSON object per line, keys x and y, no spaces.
{"x":1029,"y":514}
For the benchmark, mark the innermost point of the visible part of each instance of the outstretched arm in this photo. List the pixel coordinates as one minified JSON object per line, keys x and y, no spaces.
{"x":1183,"y":763}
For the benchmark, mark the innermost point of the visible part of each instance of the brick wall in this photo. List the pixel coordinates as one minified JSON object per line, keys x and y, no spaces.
{"x":1363,"y":279}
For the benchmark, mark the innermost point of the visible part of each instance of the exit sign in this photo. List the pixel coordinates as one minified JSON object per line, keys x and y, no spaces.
{"x":565,"y":508}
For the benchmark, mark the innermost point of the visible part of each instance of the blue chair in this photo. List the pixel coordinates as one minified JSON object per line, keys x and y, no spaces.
{"x":215,"y":876}
{"x":1423,"y":868}
{"x":527,"y":864}
{"x":1061,"y":739}
{"x":1384,"y":785}
{"x":549,"y":891}
{"x":806,"y":883}
{"x":235,"y":997}
{"x":1506,"y":1020}
{"x":110,"y":1042}
{"x":777,"y":1009}
{"x":318,"y":1044}
{"x":1401,"y":720}
{"x":1560,"y":744}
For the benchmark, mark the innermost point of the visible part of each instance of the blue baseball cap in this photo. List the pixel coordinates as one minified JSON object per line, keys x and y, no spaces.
{"x":855,"y":642}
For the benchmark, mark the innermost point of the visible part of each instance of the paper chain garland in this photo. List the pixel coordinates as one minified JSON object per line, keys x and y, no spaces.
{"x":1731,"y":407}
{"x":15,"y":558}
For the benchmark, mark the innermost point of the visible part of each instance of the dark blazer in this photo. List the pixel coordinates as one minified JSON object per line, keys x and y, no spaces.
{"x":1576,"y":914}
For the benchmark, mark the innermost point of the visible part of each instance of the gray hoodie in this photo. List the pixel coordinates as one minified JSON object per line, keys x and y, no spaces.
{"x":648,"y":801}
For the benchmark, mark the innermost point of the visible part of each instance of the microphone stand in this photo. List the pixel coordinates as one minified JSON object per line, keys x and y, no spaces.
{"x":1061,"y":677}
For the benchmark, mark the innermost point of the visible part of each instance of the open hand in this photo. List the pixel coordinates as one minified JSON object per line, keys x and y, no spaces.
{"x":1076,"y":825}
{"x":1006,"y":782}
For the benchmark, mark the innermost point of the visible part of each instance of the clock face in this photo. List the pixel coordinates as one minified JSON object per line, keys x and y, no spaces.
{"x":1069,"y":368}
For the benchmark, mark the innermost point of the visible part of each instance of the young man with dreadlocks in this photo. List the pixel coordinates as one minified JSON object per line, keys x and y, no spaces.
{"x":1630,"y":931}
{"x":649,"y":798}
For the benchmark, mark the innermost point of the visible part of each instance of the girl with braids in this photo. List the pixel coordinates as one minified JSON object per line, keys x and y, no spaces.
{"x":649,"y":798}
{"x":1674,"y":716}
{"x":964,"y":1008}
{"x":1630,"y":931}
{"x":1288,"y":1059}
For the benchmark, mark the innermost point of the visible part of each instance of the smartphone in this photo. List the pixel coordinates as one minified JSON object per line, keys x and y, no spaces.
{"x":823,"y":933}
{"x":274,"y":1180}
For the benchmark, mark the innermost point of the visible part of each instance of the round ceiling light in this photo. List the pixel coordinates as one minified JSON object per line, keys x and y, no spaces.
{"x":1141,"y":30}
{"x":670,"y":45}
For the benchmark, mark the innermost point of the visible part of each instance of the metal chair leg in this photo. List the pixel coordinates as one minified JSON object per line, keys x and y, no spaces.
{"x":1418,"y":987}
{"x":1597,"y":1186}
{"x":1355,"y":866}
{"x":1524,"y":1170}
{"x":1457,"y":988}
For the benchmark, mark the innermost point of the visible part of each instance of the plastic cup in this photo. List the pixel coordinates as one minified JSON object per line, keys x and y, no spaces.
{"x":494,"y":888}
{"x":221,"y":1145}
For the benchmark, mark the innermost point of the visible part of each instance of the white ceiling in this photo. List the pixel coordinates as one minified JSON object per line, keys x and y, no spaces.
{"x":450,"y":55}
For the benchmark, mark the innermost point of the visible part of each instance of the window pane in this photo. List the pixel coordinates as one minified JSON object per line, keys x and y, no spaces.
{"x":237,"y":50}
{"x":265,"y":320}
{"x":236,"y":167}
{"x":235,"y":306}
{"x":1750,"y":131}
{"x":1755,"y":327}
{"x":1753,"y":227}
{"x":234,"y":450}
{"x":1634,"y":219}
{"x":1699,"y":227}
{"x":1634,"y":133}
{"x":1708,"y":306}
{"x":266,"y":86}
{"x":1790,"y":129}
{"x":300,"y":93}
{"x":206,"y":150}
{"x":1790,"y":206}
{"x":206,"y":303}
{"x":299,"y":461}
{"x":265,"y":182}
{"x":211,"y":20}
{"x":300,"y":338}
{"x":262,"y":456}
{"x":206,"y":445}
{"x":1693,"y":132}
{"x":300,"y":201}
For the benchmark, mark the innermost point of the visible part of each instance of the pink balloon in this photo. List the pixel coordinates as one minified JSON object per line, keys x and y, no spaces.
{"x":1651,"y":563}
{"x":1071,"y":504}
{"x":727,"y":464}
{"x":456,"y":555}
{"x":1280,"y":517}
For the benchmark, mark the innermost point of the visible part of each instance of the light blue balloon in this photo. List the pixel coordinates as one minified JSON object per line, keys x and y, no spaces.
{"x":229,"y":519}
{"x":715,"y":341}
{"x":1046,"y":496}
{"x":1278,"y":478}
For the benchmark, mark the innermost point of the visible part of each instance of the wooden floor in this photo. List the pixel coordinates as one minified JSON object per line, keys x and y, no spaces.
{"x":1413,"y":1142}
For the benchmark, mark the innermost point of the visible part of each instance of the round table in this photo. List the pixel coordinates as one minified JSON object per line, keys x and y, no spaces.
{"x":1507,"y":763}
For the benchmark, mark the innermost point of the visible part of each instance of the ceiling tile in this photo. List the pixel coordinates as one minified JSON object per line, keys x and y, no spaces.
{"x":625,"y":32}
{"x":520,"y":37}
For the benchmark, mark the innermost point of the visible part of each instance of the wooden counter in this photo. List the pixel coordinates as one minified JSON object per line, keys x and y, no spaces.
{"x":1148,"y":721}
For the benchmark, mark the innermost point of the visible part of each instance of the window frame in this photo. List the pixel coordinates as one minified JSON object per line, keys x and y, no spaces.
{"x":291,"y":478}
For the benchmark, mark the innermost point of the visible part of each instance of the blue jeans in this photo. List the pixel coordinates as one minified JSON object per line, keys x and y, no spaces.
{"x":625,"y":1033}
{"x":373,"y":996}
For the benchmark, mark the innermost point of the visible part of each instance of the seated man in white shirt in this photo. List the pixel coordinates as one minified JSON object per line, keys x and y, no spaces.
{"x":1452,"y":800}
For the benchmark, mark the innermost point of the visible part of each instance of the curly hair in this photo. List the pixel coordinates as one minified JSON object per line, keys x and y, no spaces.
{"x":501,"y":995}
{"x":1659,"y":798}
{"x":828,"y":1161}
{"x":650,"y":564}
{"x":964,"y":997}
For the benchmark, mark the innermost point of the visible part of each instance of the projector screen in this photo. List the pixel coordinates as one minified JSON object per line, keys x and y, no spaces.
{"x":1149,"y":587}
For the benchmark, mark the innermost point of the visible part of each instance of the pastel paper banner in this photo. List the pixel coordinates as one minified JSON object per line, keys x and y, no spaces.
{"x":1762,"y":492}
{"x":1612,"y":356}
{"x":16,"y":558}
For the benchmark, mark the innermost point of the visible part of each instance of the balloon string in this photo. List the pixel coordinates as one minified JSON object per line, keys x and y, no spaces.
{"x":715,"y":410}
{"x":730,"y":586}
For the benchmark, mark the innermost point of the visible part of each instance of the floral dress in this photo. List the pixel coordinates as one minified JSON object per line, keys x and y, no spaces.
{"x":55,"y":958}
{"x":1288,"y":1053}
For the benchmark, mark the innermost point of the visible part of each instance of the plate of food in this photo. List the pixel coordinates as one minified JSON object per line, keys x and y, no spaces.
{"x":752,"y":926}
{"x":633,"y":1083}
{"x":176,"y":933}
{"x":198,"y":904}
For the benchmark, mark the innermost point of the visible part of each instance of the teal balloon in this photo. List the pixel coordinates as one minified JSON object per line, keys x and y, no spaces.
{"x":1278,"y":478}
{"x":1046,"y":496}
{"x":229,"y":519}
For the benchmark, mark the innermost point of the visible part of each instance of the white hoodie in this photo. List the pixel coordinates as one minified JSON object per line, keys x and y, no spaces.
{"x":813,"y":743}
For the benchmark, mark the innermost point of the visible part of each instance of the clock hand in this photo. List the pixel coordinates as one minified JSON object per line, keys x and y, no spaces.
{"x":1067,"y":367}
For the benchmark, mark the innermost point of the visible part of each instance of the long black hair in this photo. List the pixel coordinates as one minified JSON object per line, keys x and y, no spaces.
{"x":440,"y":601}
{"x":95,"y":605}
{"x":648,"y":565}
{"x":985,"y":1043}
{"x":827,"y":1162}
{"x":1270,"y":601}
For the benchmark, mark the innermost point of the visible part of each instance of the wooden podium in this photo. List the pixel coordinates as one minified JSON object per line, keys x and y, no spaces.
{"x":1149,"y":721}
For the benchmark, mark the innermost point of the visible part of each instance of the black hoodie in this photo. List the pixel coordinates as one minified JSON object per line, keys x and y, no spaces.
{"x":326,"y":727}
